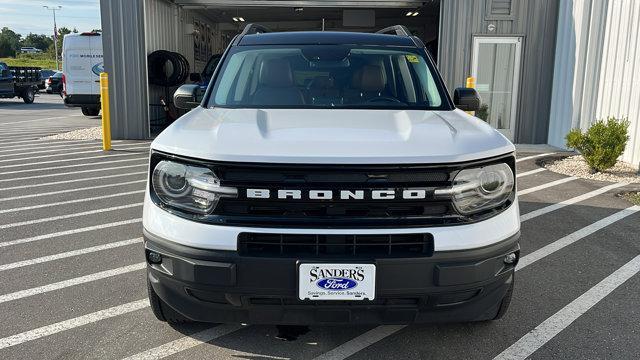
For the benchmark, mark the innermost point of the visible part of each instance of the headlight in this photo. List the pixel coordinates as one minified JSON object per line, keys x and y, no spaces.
{"x":480,"y":189}
{"x":186,"y":187}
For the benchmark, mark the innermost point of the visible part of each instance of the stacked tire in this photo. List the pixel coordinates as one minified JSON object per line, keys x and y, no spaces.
{"x":167,"y":68}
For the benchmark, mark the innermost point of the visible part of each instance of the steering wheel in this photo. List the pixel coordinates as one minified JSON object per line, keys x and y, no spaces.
{"x":384,"y":98}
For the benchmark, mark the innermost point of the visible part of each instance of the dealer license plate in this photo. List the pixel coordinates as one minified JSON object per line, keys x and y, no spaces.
{"x":337,"y":281}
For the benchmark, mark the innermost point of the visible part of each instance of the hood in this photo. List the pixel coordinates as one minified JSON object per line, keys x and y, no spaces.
{"x":332,"y":136}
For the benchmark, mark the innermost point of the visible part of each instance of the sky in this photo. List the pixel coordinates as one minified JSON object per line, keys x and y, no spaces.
{"x":25,"y":16}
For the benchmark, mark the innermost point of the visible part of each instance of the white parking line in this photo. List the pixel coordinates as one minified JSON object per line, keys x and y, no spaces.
{"x":71,"y":282}
{"x":186,"y":342}
{"x":72,"y":323}
{"x":76,"y":172}
{"x":33,"y":136}
{"x":73,"y":180}
{"x":48,"y":126}
{"x":136,"y":147}
{"x":72,"y":190}
{"x":577,"y":199}
{"x":63,"y":148}
{"x":533,"y":156}
{"x":69,"y":232}
{"x":360,"y":342}
{"x":547,"y":185}
{"x":77,"y":159}
{"x":68,"y":216}
{"x":3,"y":124}
{"x":14,"y":144}
{"x":53,"y":130}
{"x":49,"y":144}
{"x":69,"y":254}
{"x":559,"y":321}
{"x":527,"y":173}
{"x":74,"y":201}
{"x":50,"y":149}
{"x":99,"y":163}
{"x":575,"y":236}
{"x":17,"y":129}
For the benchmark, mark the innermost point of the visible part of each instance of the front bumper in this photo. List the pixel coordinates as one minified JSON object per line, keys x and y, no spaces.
{"x":222,"y":286}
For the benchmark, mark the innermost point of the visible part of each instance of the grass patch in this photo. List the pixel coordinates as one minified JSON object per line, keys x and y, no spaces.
{"x":24,"y":61}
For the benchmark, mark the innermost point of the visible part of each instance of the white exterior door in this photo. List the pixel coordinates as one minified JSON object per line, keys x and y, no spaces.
{"x":496,"y":67}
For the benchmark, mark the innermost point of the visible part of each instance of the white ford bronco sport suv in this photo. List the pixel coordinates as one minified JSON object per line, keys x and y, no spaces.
{"x":328,"y":178}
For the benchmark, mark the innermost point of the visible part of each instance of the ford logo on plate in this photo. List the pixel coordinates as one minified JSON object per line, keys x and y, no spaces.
{"x":337,"y":283}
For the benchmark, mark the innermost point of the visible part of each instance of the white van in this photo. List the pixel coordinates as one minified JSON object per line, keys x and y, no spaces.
{"x":81,"y":67}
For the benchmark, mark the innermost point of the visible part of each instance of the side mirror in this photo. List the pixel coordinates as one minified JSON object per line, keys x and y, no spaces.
{"x":466,"y":99}
{"x":195,"y":77}
{"x":186,"y":97}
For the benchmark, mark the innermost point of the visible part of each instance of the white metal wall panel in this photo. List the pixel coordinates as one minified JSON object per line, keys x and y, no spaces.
{"x":619,"y":93}
{"x":577,"y":64}
{"x":597,"y":69}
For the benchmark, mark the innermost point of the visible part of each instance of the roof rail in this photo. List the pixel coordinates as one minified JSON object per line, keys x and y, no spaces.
{"x":254,"y":29}
{"x":399,"y":30}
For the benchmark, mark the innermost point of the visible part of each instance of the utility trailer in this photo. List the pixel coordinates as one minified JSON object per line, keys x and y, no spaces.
{"x":19,"y":81}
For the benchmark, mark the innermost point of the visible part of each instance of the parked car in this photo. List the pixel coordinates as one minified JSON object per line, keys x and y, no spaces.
{"x":44,"y":75}
{"x":328,"y":177}
{"x":54,"y":83}
{"x":82,"y":64}
{"x":30,"y":50}
{"x":19,"y":81}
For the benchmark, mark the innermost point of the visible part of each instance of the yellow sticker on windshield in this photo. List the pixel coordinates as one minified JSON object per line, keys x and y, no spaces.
{"x":412,"y":58}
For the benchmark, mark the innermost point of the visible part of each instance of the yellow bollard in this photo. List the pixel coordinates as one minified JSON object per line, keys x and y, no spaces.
{"x":106,"y":120}
{"x":471,"y":83}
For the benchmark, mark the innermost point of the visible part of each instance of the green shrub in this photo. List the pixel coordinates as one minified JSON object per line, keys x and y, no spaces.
{"x":602,"y":144}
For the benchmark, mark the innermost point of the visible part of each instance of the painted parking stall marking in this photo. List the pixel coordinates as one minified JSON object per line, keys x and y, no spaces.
{"x":559,"y":321}
{"x":575,"y":236}
{"x":71,"y":282}
{"x":73,"y":323}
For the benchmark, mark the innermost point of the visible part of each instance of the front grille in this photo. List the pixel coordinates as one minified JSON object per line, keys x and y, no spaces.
{"x":316,"y":209}
{"x":335,"y":213}
{"x":352,"y":246}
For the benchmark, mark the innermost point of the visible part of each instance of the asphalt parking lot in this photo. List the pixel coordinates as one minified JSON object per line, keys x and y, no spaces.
{"x":73,"y":278}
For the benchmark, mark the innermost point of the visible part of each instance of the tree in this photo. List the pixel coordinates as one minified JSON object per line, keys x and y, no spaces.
{"x":9,"y":42}
{"x":42,"y":42}
{"x":6,"y":50}
{"x":61,"y":33}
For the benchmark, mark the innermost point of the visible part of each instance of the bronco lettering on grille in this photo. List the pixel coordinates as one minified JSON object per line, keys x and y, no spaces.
{"x":377,"y":194}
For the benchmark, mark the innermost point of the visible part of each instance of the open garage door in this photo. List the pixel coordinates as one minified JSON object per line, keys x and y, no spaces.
{"x":200,"y":30}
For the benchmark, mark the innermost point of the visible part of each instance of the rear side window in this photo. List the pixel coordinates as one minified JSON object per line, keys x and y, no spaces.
{"x":327,"y":76}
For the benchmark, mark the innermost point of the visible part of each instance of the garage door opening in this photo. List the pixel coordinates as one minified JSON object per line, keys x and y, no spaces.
{"x":200,"y":30}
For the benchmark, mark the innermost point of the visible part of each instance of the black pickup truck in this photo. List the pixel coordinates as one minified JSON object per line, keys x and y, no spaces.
{"x":19,"y":81}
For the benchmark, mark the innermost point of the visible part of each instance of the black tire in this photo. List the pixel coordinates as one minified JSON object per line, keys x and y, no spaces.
{"x":167,"y":68}
{"x":162,"y":311}
{"x":90,"y":111}
{"x":28,"y":96}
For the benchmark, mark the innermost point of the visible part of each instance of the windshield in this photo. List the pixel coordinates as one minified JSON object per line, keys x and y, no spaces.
{"x":327,"y":76}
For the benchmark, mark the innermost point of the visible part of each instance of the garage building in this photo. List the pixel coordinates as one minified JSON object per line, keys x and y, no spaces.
{"x":542,"y":66}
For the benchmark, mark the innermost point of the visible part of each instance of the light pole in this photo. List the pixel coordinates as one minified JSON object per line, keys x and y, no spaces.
{"x":55,"y":30}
